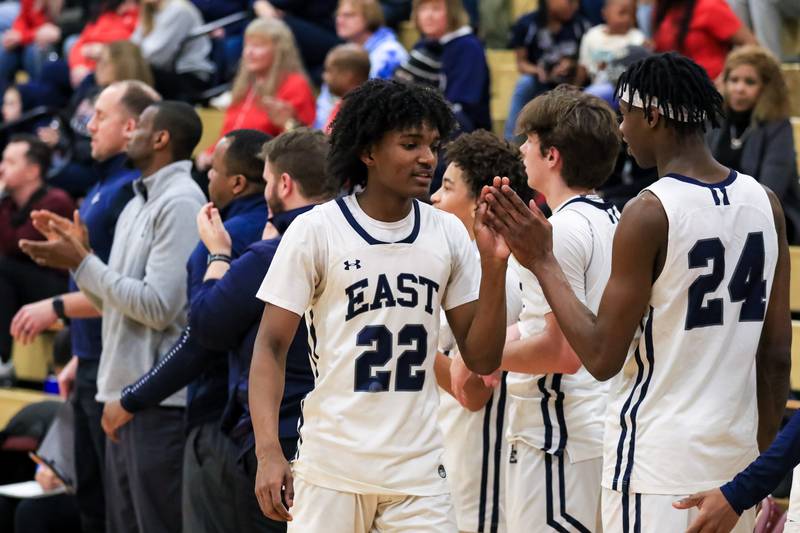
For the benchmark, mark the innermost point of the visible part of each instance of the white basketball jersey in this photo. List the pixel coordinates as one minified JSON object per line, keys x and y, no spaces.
{"x":373,"y":307}
{"x":682,"y":413}
{"x":554,"y":412}
{"x":474,"y":442}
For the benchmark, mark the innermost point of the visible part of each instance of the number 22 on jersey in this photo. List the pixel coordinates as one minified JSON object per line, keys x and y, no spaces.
{"x":408,"y":376}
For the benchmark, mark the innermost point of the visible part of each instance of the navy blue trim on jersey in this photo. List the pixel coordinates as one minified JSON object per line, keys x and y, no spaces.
{"x":369,"y":238}
{"x":720,"y":185}
{"x":548,"y":425}
{"x":487,"y":418}
{"x":608,"y":207}
{"x":642,"y":383}
{"x":559,"y":405}
{"x":312,"y":352}
{"x":548,"y":474}
{"x":637,"y":519}
{"x":648,"y":344}
{"x":562,"y":489}
{"x":498,"y":445}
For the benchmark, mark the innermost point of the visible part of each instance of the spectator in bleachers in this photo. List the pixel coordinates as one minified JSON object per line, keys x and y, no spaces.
{"x":142,"y":292}
{"x":449,"y":43}
{"x":346,"y":67}
{"x":547,"y":44}
{"x":756,"y":137}
{"x":117,"y":111}
{"x":311,"y":22}
{"x":702,"y":30}
{"x":182,"y":69}
{"x":271,"y":92}
{"x":361,"y":22}
{"x":32,"y":36}
{"x":67,"y":134}
{"x":606,"y":43}
{"x":22,"y":170}
{"x":110,"y":20}
{"x":765,"y":17}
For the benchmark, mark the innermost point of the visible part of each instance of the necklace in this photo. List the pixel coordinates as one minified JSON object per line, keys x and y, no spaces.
{"x":737,"y":142}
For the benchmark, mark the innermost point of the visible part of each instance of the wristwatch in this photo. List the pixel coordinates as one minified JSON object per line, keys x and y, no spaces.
{"x":58,"y":308}
{"x":218,"y":257}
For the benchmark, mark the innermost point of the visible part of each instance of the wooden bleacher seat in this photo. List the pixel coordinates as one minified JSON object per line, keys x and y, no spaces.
{"x":407,"y":34}
{"x":33,"y":362}
{"x":794,"y":379}
{"x":503,"y":72}
{"x":520,"y":7}
{"x":791,"y":71}
{"x":796,"y":128}
{"x":212,"y":125}
{"x":794,"y":283}
{"x":12,"y":400}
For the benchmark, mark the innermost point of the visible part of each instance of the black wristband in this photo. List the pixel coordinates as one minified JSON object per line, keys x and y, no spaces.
{"x":58,"y":309}
{"x":218,"y":257}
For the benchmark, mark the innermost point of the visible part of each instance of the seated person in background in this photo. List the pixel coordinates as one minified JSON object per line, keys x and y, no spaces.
{"x":311,"y":22}
{"x":756,"y":137}
{"x":608,"y":42}
{"x":271,"y":91}
{"x":109,"y":21}
{"x":458,"y":59}
{"x":29,"y":40}
{"x":547,"y":43}
{"x":181,"y":70}
{"x":18,"y":100}
{"x":346,"y":67}
{"x":702,"y":30}
{"x":25,"y":162}
{"x":361,"y":22}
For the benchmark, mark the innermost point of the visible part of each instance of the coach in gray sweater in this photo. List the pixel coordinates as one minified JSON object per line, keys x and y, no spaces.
{"x":142,"y":292}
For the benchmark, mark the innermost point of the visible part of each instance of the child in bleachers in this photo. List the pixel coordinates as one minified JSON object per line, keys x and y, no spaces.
{"x":346,"y":67}
{"x":607,"y":42}
{"x":547,"y":42}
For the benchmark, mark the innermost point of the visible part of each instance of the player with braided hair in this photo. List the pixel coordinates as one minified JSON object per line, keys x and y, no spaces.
{"x":694,"y":324}
{"x":371,"y":272}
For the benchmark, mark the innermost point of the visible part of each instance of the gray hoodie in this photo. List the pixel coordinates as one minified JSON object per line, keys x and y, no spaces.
{"x":142,"y":290}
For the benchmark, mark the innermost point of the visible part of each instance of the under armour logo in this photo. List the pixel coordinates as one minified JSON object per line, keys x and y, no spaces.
{"x":354,"y":264}
{"x":512,"y":457}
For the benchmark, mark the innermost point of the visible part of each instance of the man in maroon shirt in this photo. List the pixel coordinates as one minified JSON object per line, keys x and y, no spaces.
{"x":22,"y":190}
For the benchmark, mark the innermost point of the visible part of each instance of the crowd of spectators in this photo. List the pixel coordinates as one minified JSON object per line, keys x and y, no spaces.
{"x":98,"y":115}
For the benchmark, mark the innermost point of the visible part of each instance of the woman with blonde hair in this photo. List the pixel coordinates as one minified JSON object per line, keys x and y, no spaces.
{"x":756,"y":136}
{"x":182,"y":69}
{"x":271,"y":92}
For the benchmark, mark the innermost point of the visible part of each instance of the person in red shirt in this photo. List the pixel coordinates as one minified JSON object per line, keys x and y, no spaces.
{"x":271,"y":92}
{"x":703,"y":30}
{"x":114,"y":21}
{"x":22,"y":169}
{"x":31,"y":37}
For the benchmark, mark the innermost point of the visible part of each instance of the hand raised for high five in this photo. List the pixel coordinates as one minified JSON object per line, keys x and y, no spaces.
{"x":524,"y":228}
{"x":491,"y":244}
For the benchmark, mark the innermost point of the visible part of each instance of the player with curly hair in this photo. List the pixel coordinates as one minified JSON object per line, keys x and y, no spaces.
{"x":472,"y":412}
{"x":371,"y":271}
